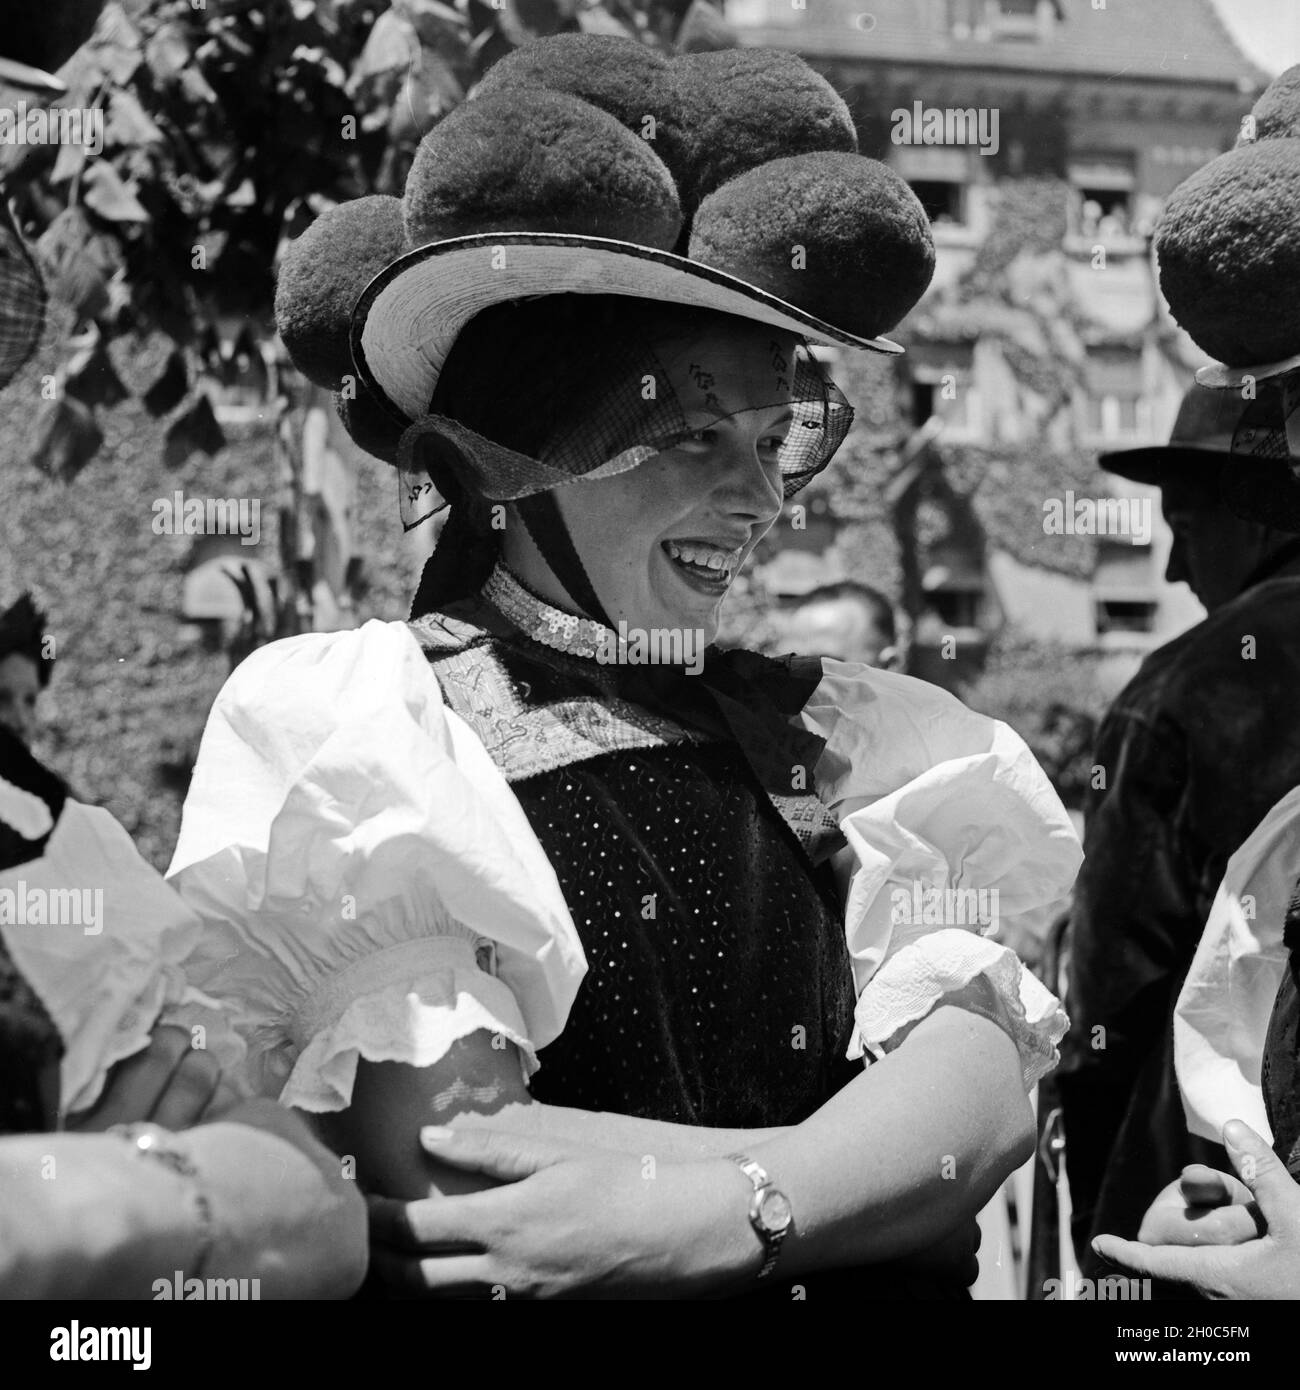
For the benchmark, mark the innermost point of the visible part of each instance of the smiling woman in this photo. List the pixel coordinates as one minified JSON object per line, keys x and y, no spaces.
{"x":634,"y":921}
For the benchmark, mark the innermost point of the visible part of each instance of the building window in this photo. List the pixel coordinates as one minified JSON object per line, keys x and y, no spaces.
{"x":1020,"y":19}
{"x":1113,"y":407}
{"x":944,"y":202}
{"x":754,"y":14}
{"x":939,"y":176}
{"x":1124,"y":587}
{"x":1103,"y":196}
{"x":942,"y":386}
{"x":1125,"y":615}
{"x":957,"y":608}
{"x":955,"y":594}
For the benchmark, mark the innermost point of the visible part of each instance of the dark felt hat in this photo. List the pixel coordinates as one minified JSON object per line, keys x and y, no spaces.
{"x":587,"y":164}
{"x":1200,"y":441}
{"x":1228,"y":245}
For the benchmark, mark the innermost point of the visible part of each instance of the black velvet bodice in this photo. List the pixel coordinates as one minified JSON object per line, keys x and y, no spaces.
{"x":719,"y":989}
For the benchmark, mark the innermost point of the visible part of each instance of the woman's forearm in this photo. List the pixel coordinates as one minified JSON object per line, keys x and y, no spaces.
{"x":88,"y":1216}
{"x":284,"y":1209}
{"x":888,"y":1166}
{"x":661,"y":1140}
{"x":481,"y":1087}
{"x":908,"y":1150}
{"x":80,"y":1219}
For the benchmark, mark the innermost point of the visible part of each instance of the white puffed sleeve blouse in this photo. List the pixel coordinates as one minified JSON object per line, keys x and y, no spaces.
{"x":111,"y":971}
{"x":946,"y":808}
{"x":372,"y":887}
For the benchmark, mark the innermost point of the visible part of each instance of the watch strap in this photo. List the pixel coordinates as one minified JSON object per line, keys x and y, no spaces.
{"x":760,"y":1182}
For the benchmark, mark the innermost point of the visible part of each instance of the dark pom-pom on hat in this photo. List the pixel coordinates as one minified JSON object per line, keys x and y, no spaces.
{"x":622,"y":76}
{"x":743,"y":107}
{"x":321,"y":275}
{"x":838,"y":234}
{"x":554,"y":153}
{"x":1228,"y":245}
{"x":524,"y":159}
{"x":1276,"y":115}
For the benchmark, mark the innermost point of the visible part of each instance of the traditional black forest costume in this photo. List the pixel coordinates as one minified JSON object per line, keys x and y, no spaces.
{"x":1229,"y":251}
{"x":679,"y":896}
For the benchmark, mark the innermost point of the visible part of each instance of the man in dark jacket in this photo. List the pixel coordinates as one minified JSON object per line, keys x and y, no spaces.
{"x":1193,"y":753}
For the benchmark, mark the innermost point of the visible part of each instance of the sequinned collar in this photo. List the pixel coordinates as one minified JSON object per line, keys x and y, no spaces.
{"x":535,"y":618}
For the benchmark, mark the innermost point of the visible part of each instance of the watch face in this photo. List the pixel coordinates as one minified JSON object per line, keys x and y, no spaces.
{"x":774,"y":1210}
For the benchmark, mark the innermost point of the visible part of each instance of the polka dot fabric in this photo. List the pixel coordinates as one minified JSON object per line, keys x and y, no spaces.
{"x":719,"y":990}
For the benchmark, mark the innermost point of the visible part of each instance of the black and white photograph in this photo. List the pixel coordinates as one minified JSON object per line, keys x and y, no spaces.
{"x":649,"y":652}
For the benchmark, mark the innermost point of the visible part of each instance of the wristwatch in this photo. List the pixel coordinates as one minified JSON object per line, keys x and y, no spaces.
{"x":769,"y":1211}
{"x":159,"y":1145}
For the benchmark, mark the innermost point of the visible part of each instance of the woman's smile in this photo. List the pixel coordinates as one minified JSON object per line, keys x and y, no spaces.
{"x":707,"y":566}
{"x":663,"y":542}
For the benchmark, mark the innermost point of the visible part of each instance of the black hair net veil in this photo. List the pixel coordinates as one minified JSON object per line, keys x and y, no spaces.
{"x":540,"y":393}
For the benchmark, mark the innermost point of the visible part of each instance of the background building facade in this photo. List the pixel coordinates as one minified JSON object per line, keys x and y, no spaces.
{"x":1042,"y":136}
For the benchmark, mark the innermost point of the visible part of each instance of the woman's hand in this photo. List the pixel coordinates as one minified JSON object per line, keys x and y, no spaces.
{"x":566,"y":1221}
{"x":1267,"y":1267}
{"x":1202,"y":1207}
{"x":169,"y":1082}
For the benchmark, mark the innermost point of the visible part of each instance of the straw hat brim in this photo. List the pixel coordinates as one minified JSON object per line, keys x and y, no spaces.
{"x":409,"y":316}
{"x":1222,"y":378}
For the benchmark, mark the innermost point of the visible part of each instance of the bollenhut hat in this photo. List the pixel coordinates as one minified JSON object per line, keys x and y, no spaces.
{"x":592,"y":165}
{"x":1228,"y":246}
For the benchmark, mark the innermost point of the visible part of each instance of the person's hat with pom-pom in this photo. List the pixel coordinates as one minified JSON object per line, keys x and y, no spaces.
{"x":590,"y":165}
{"x":1228,"y":247}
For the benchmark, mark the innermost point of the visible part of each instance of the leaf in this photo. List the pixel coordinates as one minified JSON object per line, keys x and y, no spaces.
{"x":212,"y":244}
{"x":704,"y":30}
{"x":167,"y":53}
{"x":106,"y":194}
{"x":197,"y":88}
{"x":438,"y":26}
{"x":119,"y":297}
{"x":63,"y":238}
{"x":169,"y":390}
{"x":67,"y":438}
{"x":128,"y":122}
{"x":522,"y":20}
{"x":69,"y":163}
{"x":75,"y":261}
{"x":118,"y":44}
{"x":391,"y":46}
{"x":439,"y":83}
{"x":245,"y":196}
{"x":194,"y":432}
{"x":91,"y":377}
